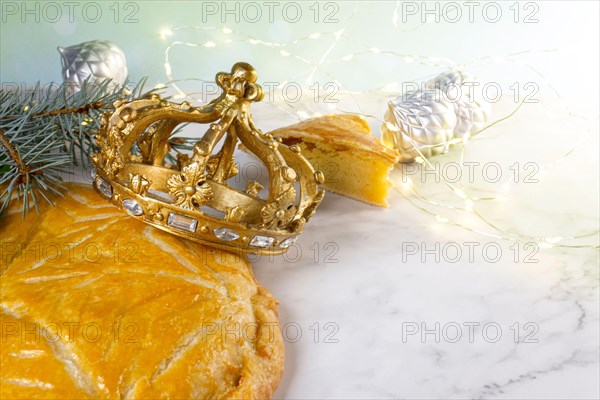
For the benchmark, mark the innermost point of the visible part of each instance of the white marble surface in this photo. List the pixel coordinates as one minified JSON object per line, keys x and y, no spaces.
{"x":354,"y":312}
{"x":371,"y":296}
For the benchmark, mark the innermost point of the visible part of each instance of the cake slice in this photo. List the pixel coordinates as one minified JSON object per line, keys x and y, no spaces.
{"x":354,"y":162}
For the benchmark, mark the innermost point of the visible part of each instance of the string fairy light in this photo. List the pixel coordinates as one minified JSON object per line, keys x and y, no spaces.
{"x":468,"y":202}
{"x":282,"y":49}
{"x":542,"y":242}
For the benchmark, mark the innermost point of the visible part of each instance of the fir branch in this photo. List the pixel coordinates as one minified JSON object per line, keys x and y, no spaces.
{"x":12,"y":152}
{"x":80,"y":110}
{"x":45,"y":130}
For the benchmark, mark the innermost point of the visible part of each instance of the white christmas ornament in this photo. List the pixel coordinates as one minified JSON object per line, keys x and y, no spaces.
{"x":422,"y":119}
{"x":472,"y":110}
{"x":96,"y":60}
{"x":449,"y":108}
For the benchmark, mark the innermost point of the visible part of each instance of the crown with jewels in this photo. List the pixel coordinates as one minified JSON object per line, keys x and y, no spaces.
{"x":191,"y":198}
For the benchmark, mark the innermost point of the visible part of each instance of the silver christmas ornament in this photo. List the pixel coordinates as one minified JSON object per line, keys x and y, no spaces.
{"x":448,"y":109}
{"x":472,"y":111}
{"x":449,"y":78}
{"x":96,"y":60}
{"x":423,"y":120}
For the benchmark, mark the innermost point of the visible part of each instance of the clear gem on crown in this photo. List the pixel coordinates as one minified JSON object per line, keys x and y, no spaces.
{"x":287,"y":242}
{"x":262,"y":241}
{"x":132,"y":207}
{"x":182,"y":222}
{"x":226,"y":234}
{"x":104,"y":187}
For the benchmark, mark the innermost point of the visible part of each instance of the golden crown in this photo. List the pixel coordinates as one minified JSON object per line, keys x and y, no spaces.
{"x":133,"y":173}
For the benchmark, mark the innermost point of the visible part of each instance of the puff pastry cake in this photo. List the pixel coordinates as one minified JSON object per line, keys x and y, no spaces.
{"x":354,"y":162}
{"x":96,"y":305}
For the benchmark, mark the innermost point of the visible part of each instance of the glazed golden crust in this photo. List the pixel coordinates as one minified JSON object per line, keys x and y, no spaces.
{"x":98,"y":305}
{"x":342,"y":132}
{"x":354,"y":162}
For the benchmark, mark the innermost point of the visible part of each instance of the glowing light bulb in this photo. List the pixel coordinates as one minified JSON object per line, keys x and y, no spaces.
{"x":469,"y":205}
{"x":407,"y":182}
{"x":460,"y":193}
{"x":165,"y":33}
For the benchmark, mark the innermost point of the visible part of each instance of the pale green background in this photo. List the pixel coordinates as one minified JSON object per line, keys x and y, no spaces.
{"x":28,"y":48}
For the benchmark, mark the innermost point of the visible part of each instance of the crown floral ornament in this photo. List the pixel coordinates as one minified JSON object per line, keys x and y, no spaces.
{"x":192,"y":198}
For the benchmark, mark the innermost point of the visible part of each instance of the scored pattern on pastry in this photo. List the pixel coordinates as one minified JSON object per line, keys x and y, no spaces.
{"x":152,"y":315}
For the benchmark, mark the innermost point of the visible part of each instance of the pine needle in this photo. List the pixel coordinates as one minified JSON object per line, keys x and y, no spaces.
{"x":42,"y":133}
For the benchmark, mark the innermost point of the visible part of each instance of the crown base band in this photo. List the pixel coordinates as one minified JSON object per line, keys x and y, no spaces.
{"x":156,"y":213}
